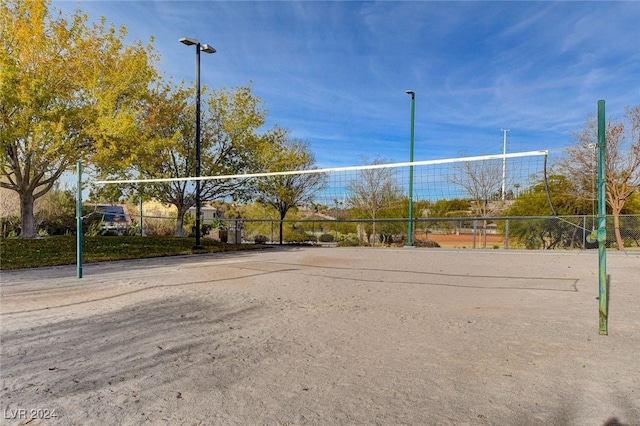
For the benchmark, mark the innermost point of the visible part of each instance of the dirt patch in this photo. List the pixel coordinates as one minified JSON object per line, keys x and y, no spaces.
{"x":467,"y":241}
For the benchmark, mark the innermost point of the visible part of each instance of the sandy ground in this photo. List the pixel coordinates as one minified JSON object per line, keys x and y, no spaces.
{"x":323,"y":336}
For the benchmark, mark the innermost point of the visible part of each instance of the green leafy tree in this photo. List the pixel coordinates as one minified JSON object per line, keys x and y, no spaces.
{"x":450,"y":208}
{"x":229,"y":143}
{"x":69,"y":92}
{"x":457,"y":207}
{"x":285,"y":192}
{"x":632,"y":205}
{"x":259,"y":219}
{"x":547,"y":233}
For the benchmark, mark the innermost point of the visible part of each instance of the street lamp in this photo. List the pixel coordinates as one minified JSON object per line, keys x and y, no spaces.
{"x":413,"y":114}
{"x":206,"y":49}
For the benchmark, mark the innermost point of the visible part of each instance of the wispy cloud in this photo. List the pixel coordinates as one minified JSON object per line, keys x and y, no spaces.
{"x":335,"y":72}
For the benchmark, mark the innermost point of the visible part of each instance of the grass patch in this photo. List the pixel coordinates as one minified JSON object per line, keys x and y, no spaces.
{"x":17,"y":253}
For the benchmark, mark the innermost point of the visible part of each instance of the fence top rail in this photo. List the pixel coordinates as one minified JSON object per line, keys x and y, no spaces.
{"x":436,"y":219}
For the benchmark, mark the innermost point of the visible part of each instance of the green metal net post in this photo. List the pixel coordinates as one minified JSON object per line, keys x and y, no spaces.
{"x":413,"y":119}
{"x":79,"y":222}
{"x":141,"y":217}
{"x":602,"y":219}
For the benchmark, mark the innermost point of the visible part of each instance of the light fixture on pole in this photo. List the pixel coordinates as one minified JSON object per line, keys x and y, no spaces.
{"x":413,"y":114}
{"x":206,"y":49}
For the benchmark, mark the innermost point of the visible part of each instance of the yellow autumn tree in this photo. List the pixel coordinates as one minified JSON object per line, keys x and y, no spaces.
{"x":232,"y":121}
{"x":69,"y":91}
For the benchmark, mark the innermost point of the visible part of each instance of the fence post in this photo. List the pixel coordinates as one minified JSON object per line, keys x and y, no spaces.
{"x":506,"y":235}
{"x":475,"y":229}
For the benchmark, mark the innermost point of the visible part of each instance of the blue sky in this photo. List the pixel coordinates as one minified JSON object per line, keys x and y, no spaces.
{"x":335,"y":72}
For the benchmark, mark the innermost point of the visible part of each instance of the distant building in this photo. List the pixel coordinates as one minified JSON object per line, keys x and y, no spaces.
{"x":208,"y":214}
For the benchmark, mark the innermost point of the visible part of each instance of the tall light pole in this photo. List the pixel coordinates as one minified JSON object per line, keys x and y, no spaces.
{"x":413,"y":115}
{"x":206,"y":49}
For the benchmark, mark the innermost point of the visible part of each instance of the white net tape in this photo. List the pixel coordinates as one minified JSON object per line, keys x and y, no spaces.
{"x":496,"y":176}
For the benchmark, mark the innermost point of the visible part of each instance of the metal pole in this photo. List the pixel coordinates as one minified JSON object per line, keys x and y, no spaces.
{"x":504,"y":162}
{"x":602,"y":220}
{"x":207,"y":49}
{"x":141,"y":215}
{"x":506,"y":235}
{"x":79,"y":221}
{"x":336,"y":201}
{"x":198,"y":245}
{"x":475,"y":232}
{"x":413,"y":114}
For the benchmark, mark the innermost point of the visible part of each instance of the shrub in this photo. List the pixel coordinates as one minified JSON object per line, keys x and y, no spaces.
{"x":326,"y":238}
{"x":159,"y":226}
{"x":260,"y":239}
{"x":205,"y":228}
{"x":219,"y":224}
{"x":425,"y":243}
{"x":348,"y":243}
{"x":348,"y":240}
{"x":296,"y":236}
{"x":10,"y":225}
{"x":61,"y":225}
{"x":532,"y":243}
{"x":93,"y":228}
{"x":349,"y":236}
{"x":132,"y":230}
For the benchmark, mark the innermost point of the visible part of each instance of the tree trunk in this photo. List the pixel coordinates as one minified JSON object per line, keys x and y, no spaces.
{"x":484,"y":234}
{"x":616,"y":229}
{"x":179,"y":232}
{"x":282,"y":216}
{"x":373,"y":230}
{"x":27,"y":219}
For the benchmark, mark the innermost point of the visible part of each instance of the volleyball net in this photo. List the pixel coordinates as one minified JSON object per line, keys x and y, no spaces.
{"x":478,"y":178}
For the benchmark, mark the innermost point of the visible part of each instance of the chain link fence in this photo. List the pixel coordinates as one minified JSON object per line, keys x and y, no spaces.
{"x":533,"y":233}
